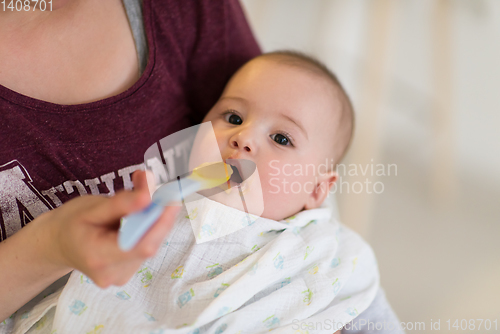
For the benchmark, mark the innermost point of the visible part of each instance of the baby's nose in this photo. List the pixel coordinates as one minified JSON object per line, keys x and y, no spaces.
{"x":245,"y":147}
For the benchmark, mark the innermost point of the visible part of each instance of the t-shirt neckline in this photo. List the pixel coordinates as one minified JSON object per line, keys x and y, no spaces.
{"x":49,"y":107}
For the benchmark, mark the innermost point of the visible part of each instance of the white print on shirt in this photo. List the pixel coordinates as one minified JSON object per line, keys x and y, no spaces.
{"x":21,"y":202}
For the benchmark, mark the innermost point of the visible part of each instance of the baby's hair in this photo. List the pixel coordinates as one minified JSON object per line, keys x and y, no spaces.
{"x":345,"y":130}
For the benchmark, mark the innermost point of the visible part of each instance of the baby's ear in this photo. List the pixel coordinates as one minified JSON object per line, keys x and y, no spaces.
{"x":321,"y":189}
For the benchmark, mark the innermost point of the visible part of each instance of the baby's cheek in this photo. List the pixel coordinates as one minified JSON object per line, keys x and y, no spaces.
{"x":279,"y":183}
{"x":283,"y":195}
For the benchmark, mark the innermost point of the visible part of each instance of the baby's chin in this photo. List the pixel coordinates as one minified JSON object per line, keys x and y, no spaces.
{"x":279,"y":206}
{"x":277,"y":214}
{"x":233,"y":198}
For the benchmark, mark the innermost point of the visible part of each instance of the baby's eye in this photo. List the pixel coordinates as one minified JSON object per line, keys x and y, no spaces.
{"x":281,"y":139}
{"x":233,"y":118}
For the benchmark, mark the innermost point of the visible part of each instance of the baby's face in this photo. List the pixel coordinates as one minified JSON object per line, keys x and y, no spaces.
{"x":282,"y":118}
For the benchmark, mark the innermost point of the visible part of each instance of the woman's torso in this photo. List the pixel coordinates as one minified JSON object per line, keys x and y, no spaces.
{"x":52,"y":152}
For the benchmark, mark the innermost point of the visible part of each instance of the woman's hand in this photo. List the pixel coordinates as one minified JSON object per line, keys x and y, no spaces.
{"x":81,"y":234}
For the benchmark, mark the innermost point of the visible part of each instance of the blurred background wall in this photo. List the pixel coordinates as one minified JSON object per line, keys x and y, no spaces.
{"x":424,"y":77}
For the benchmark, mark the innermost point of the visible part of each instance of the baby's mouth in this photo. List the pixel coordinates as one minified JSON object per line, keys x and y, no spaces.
{"x":234,"y":181}
{"x":235,"y":177}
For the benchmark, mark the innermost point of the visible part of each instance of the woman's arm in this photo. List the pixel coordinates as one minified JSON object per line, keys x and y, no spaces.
{"x":25,"y":270}
{"x":81,"y":234}
{"x":378,"y":315}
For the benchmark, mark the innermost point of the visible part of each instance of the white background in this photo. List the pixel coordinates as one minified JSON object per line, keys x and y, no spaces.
{"x":424,"y":77}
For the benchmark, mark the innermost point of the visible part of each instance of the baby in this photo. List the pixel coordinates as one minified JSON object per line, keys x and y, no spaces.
{"x":285,"y":111}
{"x":294,"y":269}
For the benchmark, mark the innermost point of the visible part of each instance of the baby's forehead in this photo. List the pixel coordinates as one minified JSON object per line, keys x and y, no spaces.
{"x":272,"y":63}
{"x":300,"y":67}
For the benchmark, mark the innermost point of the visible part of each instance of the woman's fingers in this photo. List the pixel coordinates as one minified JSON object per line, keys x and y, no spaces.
{"x":144,"y":179}
{"x":149,"y":244}
{"x":151,"y":241}
{"x":140,"y":180}
{"x":109,"y":210}
{"x":125,"y":265}
{"x":124,"y":202}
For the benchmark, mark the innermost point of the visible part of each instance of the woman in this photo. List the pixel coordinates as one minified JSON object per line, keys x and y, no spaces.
{"x":85,"y":89}
{"x":77,"y":118}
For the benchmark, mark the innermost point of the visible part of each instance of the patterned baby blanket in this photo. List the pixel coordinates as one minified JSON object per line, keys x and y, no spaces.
{"x":305,"y":274}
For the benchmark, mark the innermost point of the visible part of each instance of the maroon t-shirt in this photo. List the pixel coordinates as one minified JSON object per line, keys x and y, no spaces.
{"x":50,"y":153}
